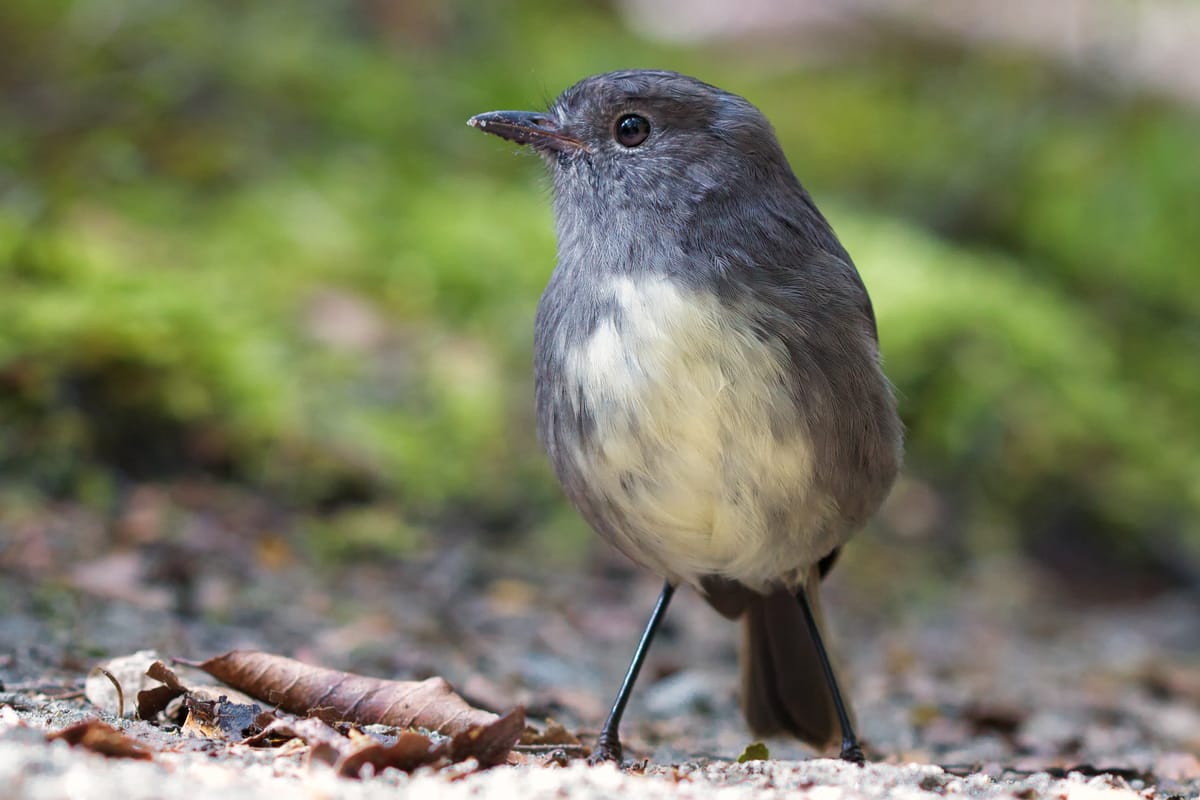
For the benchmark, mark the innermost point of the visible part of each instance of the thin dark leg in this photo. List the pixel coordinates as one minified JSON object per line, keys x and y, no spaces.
{"x":608,"y":746}
{"x":850,"y":749}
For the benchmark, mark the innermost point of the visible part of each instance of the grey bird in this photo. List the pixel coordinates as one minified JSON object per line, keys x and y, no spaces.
{"x":707,"y":373}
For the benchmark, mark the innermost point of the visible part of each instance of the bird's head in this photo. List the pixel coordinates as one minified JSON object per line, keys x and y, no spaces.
{"x":645,"y":142}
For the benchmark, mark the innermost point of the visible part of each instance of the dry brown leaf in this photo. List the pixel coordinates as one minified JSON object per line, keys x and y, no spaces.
{"x":151,"y":702}
{"x":325,"y":743}
{"x":488,"y":745}
{"x":299,"y":688}
{"x":409,"y":751}
{"x":99,"y":737}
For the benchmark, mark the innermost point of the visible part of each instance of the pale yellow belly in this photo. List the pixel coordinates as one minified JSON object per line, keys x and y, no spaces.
{"x":698,"y":448}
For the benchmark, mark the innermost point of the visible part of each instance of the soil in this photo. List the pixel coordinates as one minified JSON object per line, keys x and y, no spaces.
{"x":990,"y":684}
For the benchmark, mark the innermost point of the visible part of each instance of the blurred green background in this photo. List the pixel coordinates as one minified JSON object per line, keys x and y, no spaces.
{"x":253,"y":246}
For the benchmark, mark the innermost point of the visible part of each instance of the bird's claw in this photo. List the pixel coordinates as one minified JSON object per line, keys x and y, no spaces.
{"x":607,"y":750}
{"x":852,"y":753}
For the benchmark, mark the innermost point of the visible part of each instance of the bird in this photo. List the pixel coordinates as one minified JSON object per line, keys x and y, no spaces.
{"x":707,"y":375}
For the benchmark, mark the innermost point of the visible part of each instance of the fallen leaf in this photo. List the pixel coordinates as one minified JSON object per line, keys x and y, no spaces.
{"x":153,"y":700}
{"x":325,"y":743}
{"x":94,"y":735}
{"x":489,"y":744}
{"x":755,"y":751}
{"x":334,"y":696}
{"x":409,"y":751}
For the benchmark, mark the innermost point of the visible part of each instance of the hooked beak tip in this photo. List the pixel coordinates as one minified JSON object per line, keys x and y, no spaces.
{"x":527,"y":127}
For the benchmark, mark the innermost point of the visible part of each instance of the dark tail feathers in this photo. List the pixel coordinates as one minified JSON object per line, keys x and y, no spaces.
{"x":783,"y":686}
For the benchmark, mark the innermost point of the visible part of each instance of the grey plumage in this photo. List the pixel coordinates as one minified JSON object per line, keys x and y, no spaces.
{"x":707,"y":374}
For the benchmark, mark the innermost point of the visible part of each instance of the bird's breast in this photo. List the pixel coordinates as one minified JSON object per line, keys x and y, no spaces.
{"x":695,"y":458}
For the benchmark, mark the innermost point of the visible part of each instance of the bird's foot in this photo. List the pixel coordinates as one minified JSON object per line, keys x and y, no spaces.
{"x":607,"y":750}
{"x":852,"y":753}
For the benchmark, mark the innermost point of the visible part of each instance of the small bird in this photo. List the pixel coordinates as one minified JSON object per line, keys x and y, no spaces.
{"x":707,"y":374}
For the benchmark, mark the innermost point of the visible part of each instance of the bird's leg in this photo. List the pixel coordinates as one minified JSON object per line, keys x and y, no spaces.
{"x":608,"y":746}
{"x":850,"y":749}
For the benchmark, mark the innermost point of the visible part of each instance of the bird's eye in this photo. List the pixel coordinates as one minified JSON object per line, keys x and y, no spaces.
{"x":632,"y":130}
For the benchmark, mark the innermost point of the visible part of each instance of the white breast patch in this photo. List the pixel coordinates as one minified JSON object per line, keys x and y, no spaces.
{"x":683,"y":395}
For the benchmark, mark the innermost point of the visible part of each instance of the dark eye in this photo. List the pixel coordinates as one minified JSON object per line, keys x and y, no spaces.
{"x":632,"y":130}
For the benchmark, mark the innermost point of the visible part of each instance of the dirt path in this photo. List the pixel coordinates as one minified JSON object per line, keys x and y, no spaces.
{"x":998,"y":693}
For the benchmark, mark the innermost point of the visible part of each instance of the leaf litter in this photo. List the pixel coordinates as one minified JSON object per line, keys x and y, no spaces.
{"x":337,"y":696}
{"x":1111,"y":687}
{"x":102,"y":738}
{"x":354,"y":723}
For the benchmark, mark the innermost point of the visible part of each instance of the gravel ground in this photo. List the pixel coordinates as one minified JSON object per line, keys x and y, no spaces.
{"x":991,"y":686}
{"x":31,"y":769}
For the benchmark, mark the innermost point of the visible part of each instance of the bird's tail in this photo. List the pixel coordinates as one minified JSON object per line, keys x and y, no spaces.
{"x":783,"y":685}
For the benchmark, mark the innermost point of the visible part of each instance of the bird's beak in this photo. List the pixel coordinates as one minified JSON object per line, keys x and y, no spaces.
{"x":527,"y":127}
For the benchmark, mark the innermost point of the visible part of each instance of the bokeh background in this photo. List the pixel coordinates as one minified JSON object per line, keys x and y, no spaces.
{"x":257,"y":275}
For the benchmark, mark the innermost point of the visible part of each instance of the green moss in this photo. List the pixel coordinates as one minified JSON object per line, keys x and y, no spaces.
{"x":260,"y":243}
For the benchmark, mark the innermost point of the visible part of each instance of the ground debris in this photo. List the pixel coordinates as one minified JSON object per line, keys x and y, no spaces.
{"x":336,"y":696}
{"x":102,"y":738}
